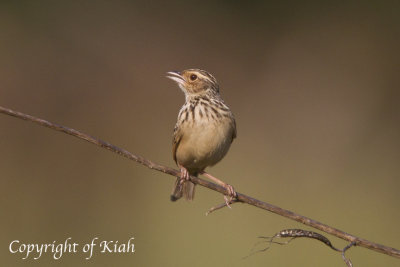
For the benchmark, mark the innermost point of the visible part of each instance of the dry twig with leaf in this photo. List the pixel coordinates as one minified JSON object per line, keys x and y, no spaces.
{"x":354,"y":240}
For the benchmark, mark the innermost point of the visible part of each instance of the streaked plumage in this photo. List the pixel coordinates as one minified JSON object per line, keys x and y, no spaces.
{"x":204,"y":131}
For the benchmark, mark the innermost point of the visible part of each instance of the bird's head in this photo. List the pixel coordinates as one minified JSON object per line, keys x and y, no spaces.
{"x":195,"y":82}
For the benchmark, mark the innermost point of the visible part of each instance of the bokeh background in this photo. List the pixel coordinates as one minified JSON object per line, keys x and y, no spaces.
{"x":314,"y":88}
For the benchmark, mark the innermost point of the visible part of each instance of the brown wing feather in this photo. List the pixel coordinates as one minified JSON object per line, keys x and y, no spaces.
{"x":234,"y":129}
{"x":176,"y":140}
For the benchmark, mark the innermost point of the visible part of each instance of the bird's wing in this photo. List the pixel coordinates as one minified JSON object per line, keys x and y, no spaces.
{"x":234,"y":134}
{"x":176,"y":140}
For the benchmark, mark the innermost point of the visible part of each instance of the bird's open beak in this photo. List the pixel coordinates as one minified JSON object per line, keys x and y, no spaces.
{"x":176,"y":76}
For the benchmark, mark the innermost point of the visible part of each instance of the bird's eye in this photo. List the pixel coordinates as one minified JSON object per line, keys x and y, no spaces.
{"x":193,"y":77}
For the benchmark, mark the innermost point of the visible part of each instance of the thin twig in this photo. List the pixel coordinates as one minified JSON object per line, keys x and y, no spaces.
{"x":240,"y":197}
{"x":347,"y":261}
{"x":220,"y":206}
{"x":296,"y":233}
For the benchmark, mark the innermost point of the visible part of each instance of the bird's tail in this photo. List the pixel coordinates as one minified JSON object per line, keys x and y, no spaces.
{"x":186,"y":189}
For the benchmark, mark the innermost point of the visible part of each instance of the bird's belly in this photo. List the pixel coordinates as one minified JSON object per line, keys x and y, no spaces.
{"x":204,"y":145}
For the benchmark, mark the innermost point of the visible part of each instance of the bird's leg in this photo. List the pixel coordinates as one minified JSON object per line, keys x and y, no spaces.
{"x":231,"y":192}
{"x":185,"y":176}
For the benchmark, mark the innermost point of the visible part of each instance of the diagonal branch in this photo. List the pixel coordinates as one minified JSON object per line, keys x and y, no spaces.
{"x":240,"y":197}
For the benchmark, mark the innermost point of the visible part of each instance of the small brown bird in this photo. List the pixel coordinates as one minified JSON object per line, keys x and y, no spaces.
{"x":203,"y":133}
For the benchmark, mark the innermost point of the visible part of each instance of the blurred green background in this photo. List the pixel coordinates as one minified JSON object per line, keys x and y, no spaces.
{"x":314,"y":88}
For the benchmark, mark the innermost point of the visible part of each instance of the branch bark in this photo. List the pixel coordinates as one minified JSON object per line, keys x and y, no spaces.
{"x":240,"y":197}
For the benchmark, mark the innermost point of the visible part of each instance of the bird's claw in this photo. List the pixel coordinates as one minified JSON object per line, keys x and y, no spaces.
{"x":185,"y":176}
{"x":231,"y":195}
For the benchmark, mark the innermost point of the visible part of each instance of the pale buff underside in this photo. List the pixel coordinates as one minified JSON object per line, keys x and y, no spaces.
{"x":204,"y":143}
